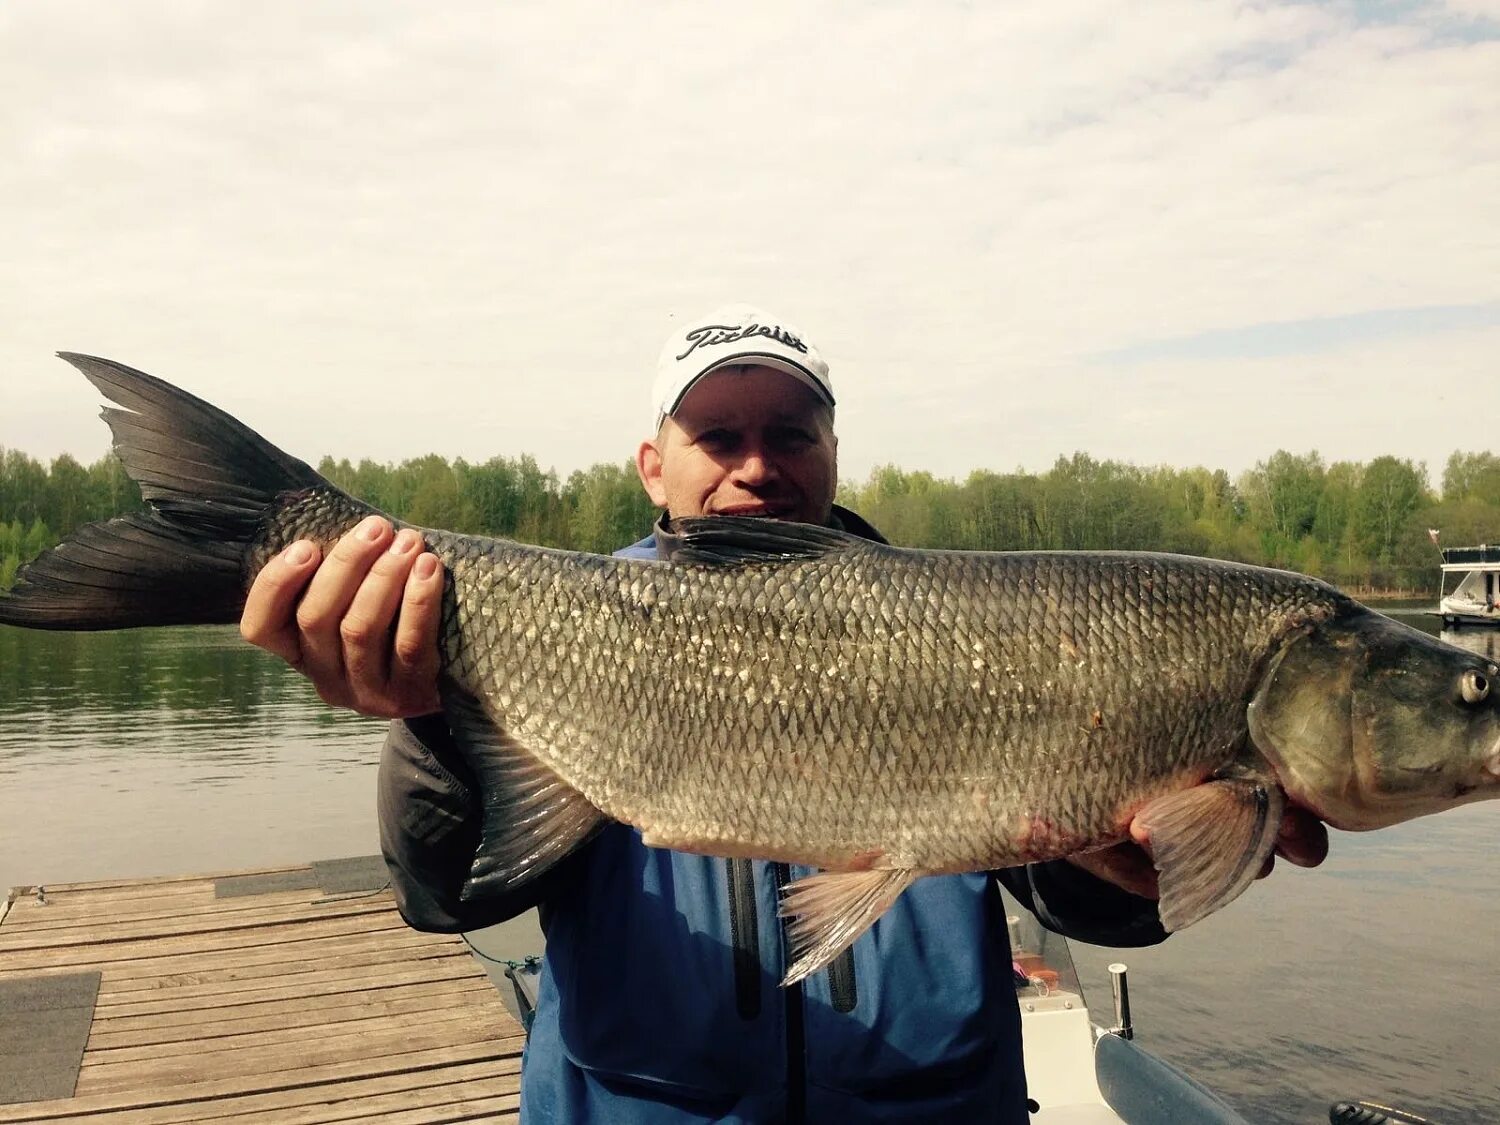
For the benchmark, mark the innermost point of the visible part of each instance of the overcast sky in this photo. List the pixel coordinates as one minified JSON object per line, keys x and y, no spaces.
{"x":1182,"y":233}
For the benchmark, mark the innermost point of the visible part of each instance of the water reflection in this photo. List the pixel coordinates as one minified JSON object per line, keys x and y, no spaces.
{"x":162,"y":751}
{"x":1475,"y":638}
{"x":1486,"y":642}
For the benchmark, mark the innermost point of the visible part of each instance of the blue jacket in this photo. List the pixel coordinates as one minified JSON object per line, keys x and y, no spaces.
{"x":659,"y":997}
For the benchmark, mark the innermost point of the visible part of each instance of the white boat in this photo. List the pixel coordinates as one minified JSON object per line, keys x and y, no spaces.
{"x":1476,"y":598}
{"x":1080,"y":1071}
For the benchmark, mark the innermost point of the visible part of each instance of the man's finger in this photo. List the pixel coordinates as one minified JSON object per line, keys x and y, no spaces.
{"x":414,"y":659}
{"x":269,"y":618}
{"x":328,"y":596}
{"x":1302,"y":839}
{"x":365,"y":628}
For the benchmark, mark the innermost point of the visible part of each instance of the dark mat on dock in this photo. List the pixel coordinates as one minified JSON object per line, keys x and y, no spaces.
{"x":232,"y":886}
{"x":44,"y":1025}
{"x":344,"y":876}
{"x":331,"y":876}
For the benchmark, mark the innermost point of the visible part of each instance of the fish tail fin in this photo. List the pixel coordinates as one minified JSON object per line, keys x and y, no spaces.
{"x":210,"y":483}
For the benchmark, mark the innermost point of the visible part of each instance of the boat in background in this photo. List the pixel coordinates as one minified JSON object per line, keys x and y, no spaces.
{"x":1476,"y":598}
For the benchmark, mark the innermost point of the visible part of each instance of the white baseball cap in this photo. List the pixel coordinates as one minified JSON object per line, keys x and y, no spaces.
{"x":734,"y":334}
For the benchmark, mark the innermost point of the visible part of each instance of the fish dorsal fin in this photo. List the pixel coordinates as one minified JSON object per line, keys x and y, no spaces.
{"x":531,"y":818}
{"x":743,"y":539}
{"x":1209,"y":843}
{"x":831,"y":909}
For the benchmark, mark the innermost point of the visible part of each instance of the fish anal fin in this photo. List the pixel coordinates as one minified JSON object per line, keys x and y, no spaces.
{"x":531,"y":818}
{"x":1209,"y":843}
{"x":831,"y":909}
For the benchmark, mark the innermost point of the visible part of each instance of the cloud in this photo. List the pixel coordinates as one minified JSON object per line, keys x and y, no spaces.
{"x":1301,"y":337}
{"x":467,"y":228}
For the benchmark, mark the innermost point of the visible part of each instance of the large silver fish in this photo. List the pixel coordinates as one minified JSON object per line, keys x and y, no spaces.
{"x":789,"y":692}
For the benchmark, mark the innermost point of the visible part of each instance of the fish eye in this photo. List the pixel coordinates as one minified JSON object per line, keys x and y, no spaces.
{"x":1474,"y":686}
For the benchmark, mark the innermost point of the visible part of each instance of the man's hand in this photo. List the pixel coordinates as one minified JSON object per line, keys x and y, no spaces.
{"x":332,"y":619}
{"x":1302,"y":840}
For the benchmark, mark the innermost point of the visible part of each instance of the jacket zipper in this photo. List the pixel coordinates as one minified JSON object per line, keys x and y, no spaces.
{"x":745,"y":940}
{"x":796,"y":1055}
{"x":744,"y":931}
{"x":841,"y":988}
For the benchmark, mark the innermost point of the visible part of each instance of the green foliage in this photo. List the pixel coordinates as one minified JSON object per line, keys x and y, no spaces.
{"x":1389,"y":494}
{"x":40,"y":505}
{"x":1357,"y":525}
{"x":1282,"y":494}
{"x":1360,"y":526}
{"x":609,"y":507}
{"x":1472,"y":476}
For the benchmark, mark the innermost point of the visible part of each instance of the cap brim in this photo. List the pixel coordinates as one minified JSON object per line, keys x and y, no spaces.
{"x":755,"y":359}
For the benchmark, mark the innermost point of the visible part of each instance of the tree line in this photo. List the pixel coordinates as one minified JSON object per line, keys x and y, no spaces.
{"x":1361,"y":525}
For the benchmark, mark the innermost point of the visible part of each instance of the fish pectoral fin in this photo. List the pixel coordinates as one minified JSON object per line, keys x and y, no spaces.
{"x":831,"y":909}
{"x":1209,"y":842}
{"x":531,"y":818}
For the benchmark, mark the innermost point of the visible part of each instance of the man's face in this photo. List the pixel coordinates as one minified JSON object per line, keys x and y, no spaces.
{"x":745,"y":441}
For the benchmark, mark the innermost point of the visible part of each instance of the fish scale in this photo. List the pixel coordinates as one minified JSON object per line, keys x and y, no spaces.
{"x":899,"y":732}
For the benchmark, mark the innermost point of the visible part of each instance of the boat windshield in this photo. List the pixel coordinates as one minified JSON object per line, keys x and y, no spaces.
{"x":1041,"y":963}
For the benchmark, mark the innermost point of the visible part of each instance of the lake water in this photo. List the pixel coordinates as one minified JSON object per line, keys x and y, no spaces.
{"x":174,"y":751}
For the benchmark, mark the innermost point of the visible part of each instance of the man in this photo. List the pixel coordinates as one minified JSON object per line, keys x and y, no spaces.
{"x":659,"y":999}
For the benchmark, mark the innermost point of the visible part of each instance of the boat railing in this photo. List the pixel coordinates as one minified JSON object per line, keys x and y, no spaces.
{"x":1468,"y":556}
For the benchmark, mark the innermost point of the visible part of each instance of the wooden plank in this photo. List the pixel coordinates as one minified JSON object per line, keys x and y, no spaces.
{"x":322,"y":1100}
{"x":53,"y":893}
{"x":139,"y":909}
{"x":323,"y":958}
{"x":487,"y":1098}
{"x":425,"y":1062}
{"x":418,"y":1110}
{"x":201,"y":1049}
{"x":299,"y":1012}
{"x":109,"y":931}
{"x":280,"y":1063}
{"x":100,"y":954}
{"x":32,"y":916}
{"x":99,"y":929}
{"x":200,"y":996}
{"x":287,"y":959}
{"x":161,"y":882}
{"x":329,"y":1007}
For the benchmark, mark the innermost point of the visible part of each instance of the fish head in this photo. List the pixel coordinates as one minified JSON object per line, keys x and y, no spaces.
{"x":1369,"y":722}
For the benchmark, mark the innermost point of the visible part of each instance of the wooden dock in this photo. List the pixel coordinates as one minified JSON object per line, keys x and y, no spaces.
{"x":249,"y":997}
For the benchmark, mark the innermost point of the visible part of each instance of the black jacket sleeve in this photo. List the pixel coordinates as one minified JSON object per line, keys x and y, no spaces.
{"x":429,"y":833}
{"x":1070,"y":901}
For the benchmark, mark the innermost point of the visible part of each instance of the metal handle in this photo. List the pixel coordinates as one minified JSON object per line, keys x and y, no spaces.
{"x":1121,"y":990}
